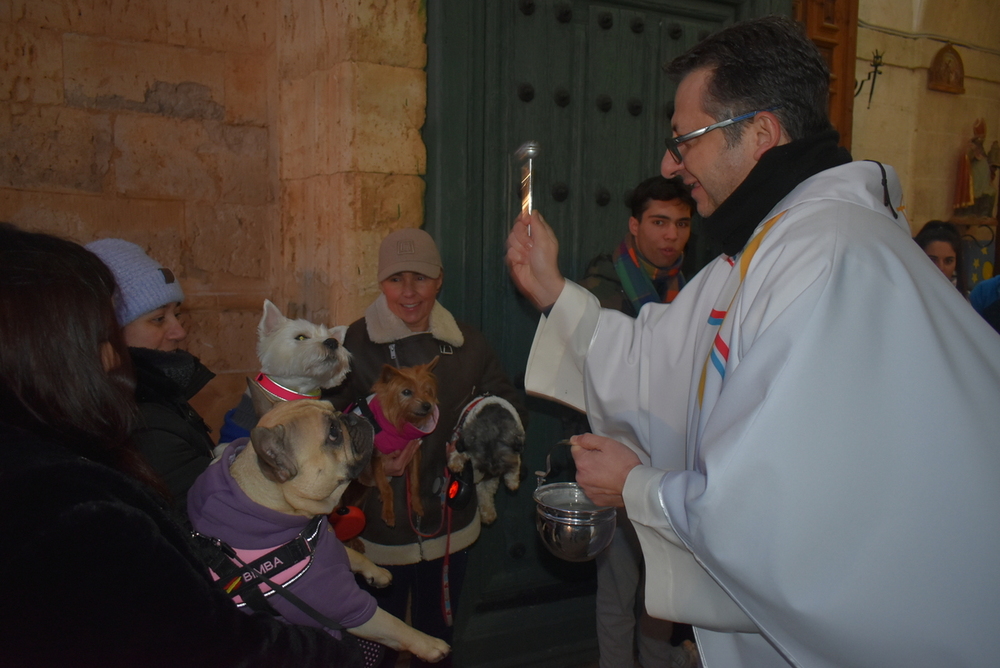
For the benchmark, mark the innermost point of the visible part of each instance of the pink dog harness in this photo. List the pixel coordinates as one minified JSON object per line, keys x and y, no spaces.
{"x":246,"y":571}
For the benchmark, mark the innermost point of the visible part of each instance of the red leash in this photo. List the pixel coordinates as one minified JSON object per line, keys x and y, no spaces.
{"x":445,"y":586}
{"x":445,"y":512}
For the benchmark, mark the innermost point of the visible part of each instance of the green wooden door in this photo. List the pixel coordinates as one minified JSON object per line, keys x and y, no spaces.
{"x":584,"y":80}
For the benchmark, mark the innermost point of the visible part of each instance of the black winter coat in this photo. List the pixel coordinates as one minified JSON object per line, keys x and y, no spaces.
{"x":97,"y":573}
{"x":172,"y":436}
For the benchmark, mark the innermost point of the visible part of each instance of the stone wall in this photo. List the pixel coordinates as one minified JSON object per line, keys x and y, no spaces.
{"x":353,"y":94}
{"x":923,"y":132}
{"x":259,"y":148}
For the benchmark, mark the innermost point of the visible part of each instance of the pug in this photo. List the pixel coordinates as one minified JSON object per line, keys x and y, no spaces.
{"x":262,"y":494}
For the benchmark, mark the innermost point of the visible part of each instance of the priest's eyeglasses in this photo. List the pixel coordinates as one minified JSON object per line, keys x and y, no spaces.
{"x":674,"y":142}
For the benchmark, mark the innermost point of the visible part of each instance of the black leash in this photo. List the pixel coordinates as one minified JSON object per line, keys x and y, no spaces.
{"x":220,"y":557}
{"x":366,"y":413}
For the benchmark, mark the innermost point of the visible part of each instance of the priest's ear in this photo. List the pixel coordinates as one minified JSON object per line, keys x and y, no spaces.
{"x":766,"y":132}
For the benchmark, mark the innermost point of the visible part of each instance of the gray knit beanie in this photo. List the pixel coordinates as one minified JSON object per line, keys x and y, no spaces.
{"x":144,"y":284}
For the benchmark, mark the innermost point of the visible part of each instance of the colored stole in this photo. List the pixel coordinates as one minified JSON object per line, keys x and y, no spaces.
{"x":637,"y":275}
{"x":713,"y":372}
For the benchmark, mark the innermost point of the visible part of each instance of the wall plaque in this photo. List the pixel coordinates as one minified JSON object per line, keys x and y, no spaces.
{"x":947,"y":73}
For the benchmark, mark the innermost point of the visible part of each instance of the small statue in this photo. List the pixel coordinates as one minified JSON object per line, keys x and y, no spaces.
{"x":976,"y":187}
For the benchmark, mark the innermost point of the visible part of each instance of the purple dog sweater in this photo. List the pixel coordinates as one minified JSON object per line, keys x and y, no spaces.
{"x":219,"y":508}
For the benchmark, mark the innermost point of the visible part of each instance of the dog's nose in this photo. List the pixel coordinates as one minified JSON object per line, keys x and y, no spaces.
{"x":332,"y":344}
{"x":426,"y":407}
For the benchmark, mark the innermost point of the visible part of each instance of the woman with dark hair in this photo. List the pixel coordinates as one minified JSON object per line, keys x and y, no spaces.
{"x":943,"y":245}
{"x":98,"y":572}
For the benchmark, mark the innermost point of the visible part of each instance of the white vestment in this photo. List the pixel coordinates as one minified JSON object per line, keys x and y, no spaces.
{"x":819,"y":423}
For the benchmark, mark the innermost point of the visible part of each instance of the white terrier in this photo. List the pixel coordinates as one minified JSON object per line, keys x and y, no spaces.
{"x":298,"y":358}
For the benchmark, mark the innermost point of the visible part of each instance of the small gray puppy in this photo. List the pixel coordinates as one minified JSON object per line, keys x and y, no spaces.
{"x":491,"y":436}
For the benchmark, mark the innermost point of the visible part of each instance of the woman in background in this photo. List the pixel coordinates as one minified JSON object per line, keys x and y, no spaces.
{"x":943,"y":245}
{"x":98,"y":572}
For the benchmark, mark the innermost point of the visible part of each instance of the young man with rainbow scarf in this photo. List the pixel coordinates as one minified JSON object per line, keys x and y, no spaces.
{"x":646,"y":266}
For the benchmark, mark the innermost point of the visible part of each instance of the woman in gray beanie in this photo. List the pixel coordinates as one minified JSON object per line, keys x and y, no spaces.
{"x":171,"y":435}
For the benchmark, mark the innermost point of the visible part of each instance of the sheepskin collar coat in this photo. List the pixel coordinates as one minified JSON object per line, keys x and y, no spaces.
{"x":467,"y":368}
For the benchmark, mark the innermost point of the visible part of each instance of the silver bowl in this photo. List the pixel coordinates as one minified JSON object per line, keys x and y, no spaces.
{"x":571,"y":526}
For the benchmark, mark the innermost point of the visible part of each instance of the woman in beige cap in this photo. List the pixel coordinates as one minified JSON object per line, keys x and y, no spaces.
{"x":406,"y":326}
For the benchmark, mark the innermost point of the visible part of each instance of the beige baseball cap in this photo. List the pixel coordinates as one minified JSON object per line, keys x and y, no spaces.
{"x":408,"y":250}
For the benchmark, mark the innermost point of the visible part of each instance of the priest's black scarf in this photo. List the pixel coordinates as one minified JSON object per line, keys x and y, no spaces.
{"x":775,"y":175}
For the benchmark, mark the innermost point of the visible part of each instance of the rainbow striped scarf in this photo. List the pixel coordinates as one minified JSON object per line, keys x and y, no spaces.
{"x":639,"y":276}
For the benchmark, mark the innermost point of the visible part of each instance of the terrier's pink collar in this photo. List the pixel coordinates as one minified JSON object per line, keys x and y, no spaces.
{"x":281,"y":391}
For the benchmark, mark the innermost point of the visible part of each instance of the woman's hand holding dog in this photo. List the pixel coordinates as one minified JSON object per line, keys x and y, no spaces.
{"x":395,"y":462}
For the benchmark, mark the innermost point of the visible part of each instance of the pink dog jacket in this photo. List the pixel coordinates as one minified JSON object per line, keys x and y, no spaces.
{"x":390,"y":439}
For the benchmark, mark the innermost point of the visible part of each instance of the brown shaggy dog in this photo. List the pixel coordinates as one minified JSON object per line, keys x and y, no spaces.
{"x":405,"y":405}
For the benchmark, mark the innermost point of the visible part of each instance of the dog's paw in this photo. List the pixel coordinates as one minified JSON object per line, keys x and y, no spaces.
{"x":487,"y":513}
{"x":457,"y":460}
{"x":377,"y":577}
{"x":430,"y":649}
{"x":486,"y":491}
{"x":373,"y":574}
{"x":512,"y":479}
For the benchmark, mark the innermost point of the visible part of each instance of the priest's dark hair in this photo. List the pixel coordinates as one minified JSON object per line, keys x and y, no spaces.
{"x":65,"y":372}
{"x":660,"y":189}
{"x":757,"y":65}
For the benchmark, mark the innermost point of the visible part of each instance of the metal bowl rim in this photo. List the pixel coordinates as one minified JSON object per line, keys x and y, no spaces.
{"x":596,"y":513}
{"x":594,"y":520}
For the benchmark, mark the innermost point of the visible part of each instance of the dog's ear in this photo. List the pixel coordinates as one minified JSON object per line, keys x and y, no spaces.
{"x":388,"y":373}
{"x":272,"y":453}
{"x":339,"y":332}
{"x":433,"y":363}
{"x":271,"y":320}
{"x":262,"y":401}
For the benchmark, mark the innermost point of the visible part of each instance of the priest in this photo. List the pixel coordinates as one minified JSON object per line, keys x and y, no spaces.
{"x":806,"y":438}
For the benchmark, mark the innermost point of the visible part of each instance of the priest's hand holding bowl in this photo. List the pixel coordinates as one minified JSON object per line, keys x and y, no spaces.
{"x":602,"y":466}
